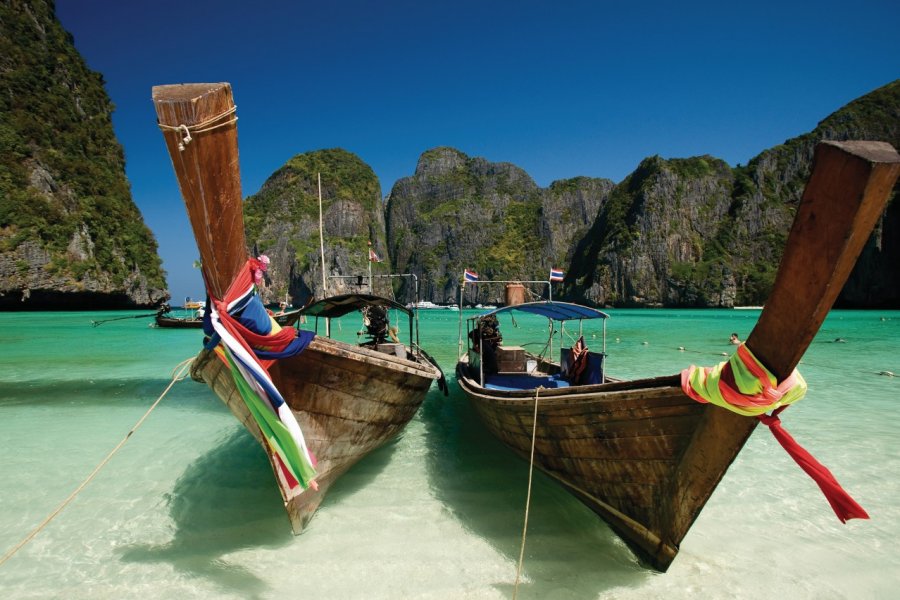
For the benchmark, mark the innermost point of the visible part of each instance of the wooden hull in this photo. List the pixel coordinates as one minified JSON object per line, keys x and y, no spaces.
{"x":348,"y":401}
{"x":616,"y":446}
{"x":177,"y":323}
{"x":285,"y":320}
{"x":288,"y":318}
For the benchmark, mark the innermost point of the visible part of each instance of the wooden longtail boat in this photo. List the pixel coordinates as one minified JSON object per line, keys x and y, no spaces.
{"x":348,"y":400}
{"x":285,"y":319}
{"x":179,"y":322}
{"x":642,"y":454}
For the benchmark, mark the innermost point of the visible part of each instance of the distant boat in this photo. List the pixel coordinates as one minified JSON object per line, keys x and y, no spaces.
{"x":340,"y":401}
{"x":191,"y":317}
{"x":179,"y":322}
{"x":193,"y":304}
{"x":423,"y":304}
{"x":642,"y":454}
{"x":195,"y":321}
{"x":288,"y":317}
{"x":748,"y":307}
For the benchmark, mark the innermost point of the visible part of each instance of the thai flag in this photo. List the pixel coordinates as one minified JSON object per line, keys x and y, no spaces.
{"x":556,"y":274}
{"x":373,"y":257}
{"x":471,"y":275}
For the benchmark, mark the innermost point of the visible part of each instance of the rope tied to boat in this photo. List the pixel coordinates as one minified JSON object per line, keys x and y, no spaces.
{"x":743,"y":385}
{"x":178,"y":374}
{"x":202,"y":127}
{"x":248,"y":340}
{"x":537,"y":392}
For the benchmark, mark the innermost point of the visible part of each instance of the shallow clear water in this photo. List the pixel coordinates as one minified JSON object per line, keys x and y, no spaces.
{"x":188,"y":507}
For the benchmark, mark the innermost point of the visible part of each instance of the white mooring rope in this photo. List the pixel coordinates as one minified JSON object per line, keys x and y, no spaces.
{"x":528,"y":496}
{"x":178,"y":374}
{"x":207,"y":125}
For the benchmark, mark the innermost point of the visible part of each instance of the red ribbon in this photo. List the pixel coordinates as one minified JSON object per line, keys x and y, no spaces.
{"x":844,"y":506}
{"x":248,"y":339}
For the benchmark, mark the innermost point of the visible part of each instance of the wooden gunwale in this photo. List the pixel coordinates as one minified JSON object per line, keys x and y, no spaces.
{"x":372,"y":357}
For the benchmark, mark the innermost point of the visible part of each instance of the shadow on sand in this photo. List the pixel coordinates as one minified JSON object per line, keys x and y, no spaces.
{"x":227,"y":501}
{"x":569,"y":553}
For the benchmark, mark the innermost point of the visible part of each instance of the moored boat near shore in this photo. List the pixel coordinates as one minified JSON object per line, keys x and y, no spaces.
{"x":316,"y":412}
{"x":195,"y":320}
{"x":642,"y":454}
{"x":168,"y":321}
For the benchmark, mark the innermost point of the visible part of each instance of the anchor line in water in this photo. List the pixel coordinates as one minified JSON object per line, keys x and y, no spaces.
{"x":537,"y":392}
{"x":99,"y":323}
{"x":178,"y":374}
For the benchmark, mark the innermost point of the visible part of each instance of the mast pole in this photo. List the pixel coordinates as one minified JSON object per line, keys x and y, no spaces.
{"x":322,"y":250}
{"x":416,"y":307}
{"x":462,"y":285}
{"x":369,"y":257}
{"x":322,"y":239}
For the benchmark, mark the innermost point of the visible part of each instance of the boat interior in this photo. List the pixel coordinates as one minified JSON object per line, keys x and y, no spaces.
{"x":512,"y":368}
{"x":528,"y":372}
{"x":380,"y":335}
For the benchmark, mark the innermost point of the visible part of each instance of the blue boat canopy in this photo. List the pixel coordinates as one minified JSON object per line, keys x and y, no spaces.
{"x":557,"y":311}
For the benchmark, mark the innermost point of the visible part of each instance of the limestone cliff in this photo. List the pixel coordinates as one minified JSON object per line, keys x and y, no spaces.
{"x":459,"y":212}
{"x":693,"y":232}
{"x":282,"y":221}
{"x":654,"y":226}
{"x":70,"y":234}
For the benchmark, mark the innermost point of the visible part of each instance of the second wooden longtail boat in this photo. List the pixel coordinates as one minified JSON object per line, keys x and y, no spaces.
{"x":340,"y":401}
{"x":284,"y":319}
{"x":643,"y":454}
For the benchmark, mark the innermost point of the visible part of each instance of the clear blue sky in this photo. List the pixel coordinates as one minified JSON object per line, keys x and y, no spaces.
{"x":558,"y":88}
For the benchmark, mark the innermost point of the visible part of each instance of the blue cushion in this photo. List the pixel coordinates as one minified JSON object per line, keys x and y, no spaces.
{"x":523,"y":382}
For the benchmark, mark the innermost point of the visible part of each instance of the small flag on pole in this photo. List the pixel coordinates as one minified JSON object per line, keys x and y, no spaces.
{"x":373,"y":257}
{"x":556,"y":274}
{"x":470,"y":275}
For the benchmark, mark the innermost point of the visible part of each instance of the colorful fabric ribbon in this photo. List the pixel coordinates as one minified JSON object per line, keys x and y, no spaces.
{"x":744,"y":386}
{"x":248,"y":340}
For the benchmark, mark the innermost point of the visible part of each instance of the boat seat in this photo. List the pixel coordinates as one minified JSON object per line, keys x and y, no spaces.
{"x":593,"y":372}
{"x":523,"y":381}
{"x":398,"y":350}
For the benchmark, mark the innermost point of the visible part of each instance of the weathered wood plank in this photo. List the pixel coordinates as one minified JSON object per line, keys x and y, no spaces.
{"x":208,"y":174}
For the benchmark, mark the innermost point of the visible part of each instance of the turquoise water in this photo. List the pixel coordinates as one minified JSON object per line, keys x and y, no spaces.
{"x":188,"y":508}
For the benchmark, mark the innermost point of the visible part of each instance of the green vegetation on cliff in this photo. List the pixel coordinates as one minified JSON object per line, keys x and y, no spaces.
{"x":62,"y":178}
{"x":695,"y":232}
{"x":461,"y":212}
{"x":291,"y":193}
{"x":282,"y":220}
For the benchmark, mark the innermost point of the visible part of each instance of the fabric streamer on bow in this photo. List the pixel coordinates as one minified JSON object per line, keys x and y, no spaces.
{"x":744,"y":386}
{"x":248,"y":340}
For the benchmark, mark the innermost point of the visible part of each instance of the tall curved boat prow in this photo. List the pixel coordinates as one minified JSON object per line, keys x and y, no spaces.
{"x":347,"y":400}
{"x":642,"y":454}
